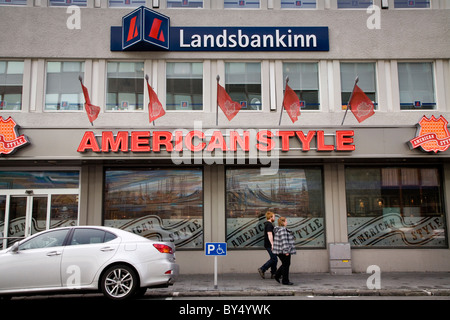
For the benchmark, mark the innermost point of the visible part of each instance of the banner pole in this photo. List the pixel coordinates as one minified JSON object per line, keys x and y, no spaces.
{"x":282,"y":105}
{"x":348,"y":103}
{"x":217,"y":101}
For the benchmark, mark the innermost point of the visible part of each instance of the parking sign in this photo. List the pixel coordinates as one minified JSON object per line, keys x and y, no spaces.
{"x":216,"y":249}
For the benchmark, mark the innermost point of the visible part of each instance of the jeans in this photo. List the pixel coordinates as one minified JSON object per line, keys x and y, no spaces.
{"x":271,"y":263}
{"x":283,"y":270}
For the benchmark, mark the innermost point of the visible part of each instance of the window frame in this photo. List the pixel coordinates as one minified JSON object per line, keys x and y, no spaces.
{"x":377,"y":91}
{"x":20,"y":109}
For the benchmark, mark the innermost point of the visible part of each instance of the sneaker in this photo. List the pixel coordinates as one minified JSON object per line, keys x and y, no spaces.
{"x":261,"y":273}
{"x":288,"y":283}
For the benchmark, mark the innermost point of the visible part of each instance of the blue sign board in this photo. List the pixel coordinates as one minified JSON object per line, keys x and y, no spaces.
{"x":146,"y":30}
{"x":216,"y":249}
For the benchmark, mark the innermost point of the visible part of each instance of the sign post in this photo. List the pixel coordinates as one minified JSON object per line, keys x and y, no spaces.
{"x":215,"y":249}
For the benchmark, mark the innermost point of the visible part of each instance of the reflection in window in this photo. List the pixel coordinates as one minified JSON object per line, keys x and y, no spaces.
{"x":63,"y":91}
{"x":38,"y":179}
{"x":243,"y":83}
{"x":416,"y":85}
{"x":49,"y":239}
{"x":64,"y":210}
{"x":125,"y":86}
{"x":158,"y":203}
{"x":184,"y":86}
{"x":304,"y":80}
{"x":367,"y":80}
{"x":11,"y":80}
{"x":395,"y":207}
{"x":296,"y":193}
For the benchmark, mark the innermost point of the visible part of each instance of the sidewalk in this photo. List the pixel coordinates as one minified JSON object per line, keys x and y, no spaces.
{"x":308,"y":284}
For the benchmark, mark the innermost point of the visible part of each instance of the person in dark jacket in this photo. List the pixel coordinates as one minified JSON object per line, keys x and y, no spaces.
{"x":284,"y":247}
{"x":268,"y":244}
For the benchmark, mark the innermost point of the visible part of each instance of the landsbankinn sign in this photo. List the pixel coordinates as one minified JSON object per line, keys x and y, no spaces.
{"x":147,"y":30}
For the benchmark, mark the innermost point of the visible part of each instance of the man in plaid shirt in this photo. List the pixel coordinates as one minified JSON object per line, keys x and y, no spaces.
{"x":284,"y":247}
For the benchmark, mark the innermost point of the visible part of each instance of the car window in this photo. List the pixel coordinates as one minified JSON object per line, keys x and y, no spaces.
{"x":49,"y":239}
{"x":91,"y":236}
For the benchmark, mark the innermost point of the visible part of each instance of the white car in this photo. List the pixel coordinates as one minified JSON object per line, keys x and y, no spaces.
{"x":118,"y":263}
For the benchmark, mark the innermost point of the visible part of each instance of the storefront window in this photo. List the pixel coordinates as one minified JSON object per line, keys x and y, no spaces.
{"x":296,"y":193}
{"x":304,"y":80}
{"x":66,"y":3}
{"x":13,"y":2}
{"x":243,"y":83}
{"x":184,"y":3}
{"x":354,"y":4}
{"x":238,"y":4}
{"x":163,"y":204}
{"x":125,"y":3}
{"x":296,"y":4}
{"x":406,"y":4}
{"x":11,"y":79}
{"x":416,"y":86}
{"x":184,"y":86}
{"x":395,"y":207}
{"x":38,"y":179}
{"x":367,"y":80}
{"x":63,"y":91}
{"x":125,"y":86}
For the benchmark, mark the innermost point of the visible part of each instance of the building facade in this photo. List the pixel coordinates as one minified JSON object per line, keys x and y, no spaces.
{"x":192,"y":176}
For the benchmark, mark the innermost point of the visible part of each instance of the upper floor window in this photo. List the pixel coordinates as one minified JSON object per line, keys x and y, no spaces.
{"x":66,"y":3}
{"x":243,"y":83}
{"x":354,"y":4}
{"x":63,"y":90}
{"x":184,"y":86}
{"x":296,"y":4}
{"x":125,"y":3}
{"x":125,"y":86}
{"x":367,"y":80}
{"x":11,"y":75}
{"x":184,"y":3}
{"x":13,"y":2}
{"x":412,"y":4}
{"x":250,"y":4}
{"x":304,"y":80}
{"x":416,"y":85}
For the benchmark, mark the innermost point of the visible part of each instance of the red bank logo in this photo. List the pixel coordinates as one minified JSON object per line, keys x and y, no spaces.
{"x":432,"y":135}
{"x":9,"y":138}
{"x":144,"y":27}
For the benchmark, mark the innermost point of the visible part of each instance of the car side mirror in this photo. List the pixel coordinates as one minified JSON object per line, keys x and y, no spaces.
{"x":14,"y":248}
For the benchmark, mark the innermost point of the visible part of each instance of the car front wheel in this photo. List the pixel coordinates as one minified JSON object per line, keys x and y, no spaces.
{"x":119,"y":282}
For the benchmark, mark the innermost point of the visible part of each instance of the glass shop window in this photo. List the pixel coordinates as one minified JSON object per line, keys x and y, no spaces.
{"x":11,"y":80}
{"x":409,"y":4}
{"x":184,"y":86}
{"x":184,"y":3}
{"x":67,"y":3}
{"x":416,"y":86}
{"x":395,"y":207}
{"x":13,"y":2}
{"x":304,"y":80}
{"x":367,"y":81}
{"x":295,"y":193}
{"x":243,"y":84}
{"x":354,"y":4}
{"x":241,"y":4}
{"x":125,"y":86}
{"x":125,"y":3}
{"x":164,"y":204}
{"x":296,"y":4}
{"x":63,"y":90}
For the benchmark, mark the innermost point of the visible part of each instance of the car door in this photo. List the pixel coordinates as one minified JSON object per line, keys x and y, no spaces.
{"x":36,"y":263}
{"x":87,"y":251}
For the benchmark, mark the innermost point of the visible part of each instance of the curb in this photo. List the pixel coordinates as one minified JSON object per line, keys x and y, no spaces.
{"x":317,"y":292}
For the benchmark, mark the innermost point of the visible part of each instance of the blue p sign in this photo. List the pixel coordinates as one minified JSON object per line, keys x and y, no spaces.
{"x":216,"y":249}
